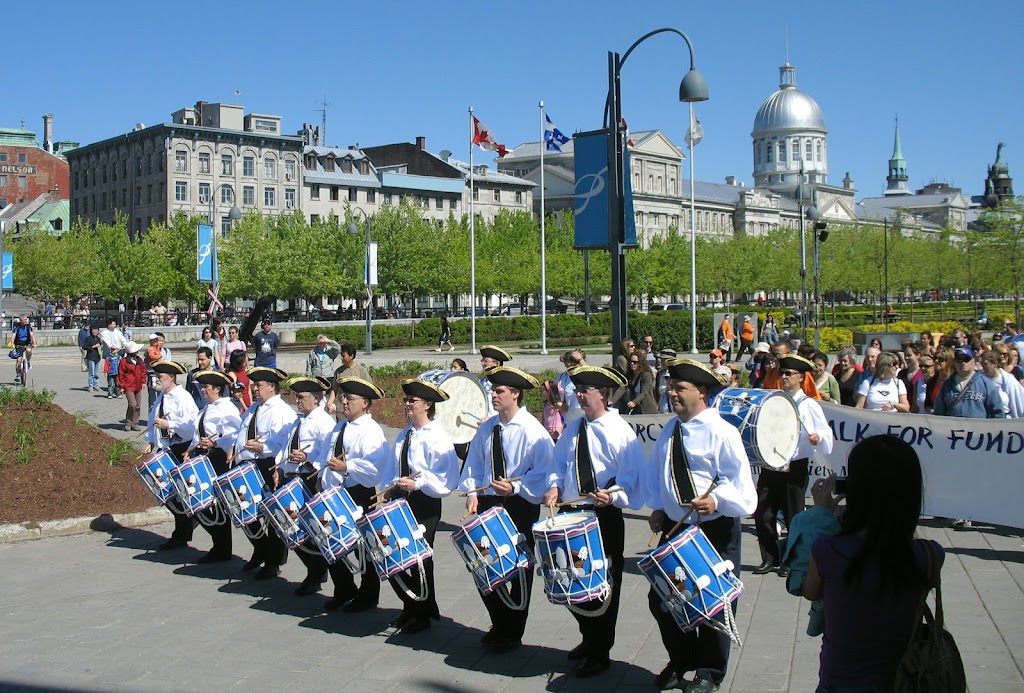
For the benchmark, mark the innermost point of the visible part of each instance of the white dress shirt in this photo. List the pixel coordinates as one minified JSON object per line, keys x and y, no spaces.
{"x":614,"y":452}
{"x":274,"y":419}
{"x":567,"y":390}
{"x":314,"y":431}
{"x":366,"y":453}
{"x":713,"y":448}
{"x":812,"y":420}
{"x":528,"y":453}
{"x":485,"y":383}
{"x":432,"y":454}
{"x":180,"y":410}
{"x":221,"y":421}
{"x":112,"y":339}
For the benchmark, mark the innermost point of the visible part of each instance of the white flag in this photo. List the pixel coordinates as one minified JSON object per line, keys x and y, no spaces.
{"x":695,"y":133}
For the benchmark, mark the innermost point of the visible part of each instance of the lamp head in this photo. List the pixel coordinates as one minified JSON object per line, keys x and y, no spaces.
{"x":812,"y":213}
{"x":235,"y":214}
{"x":693,"y":87}
{"x":352,"y":228}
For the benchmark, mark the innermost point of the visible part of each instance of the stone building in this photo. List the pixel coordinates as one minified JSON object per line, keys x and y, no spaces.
{"x":29,"y":171}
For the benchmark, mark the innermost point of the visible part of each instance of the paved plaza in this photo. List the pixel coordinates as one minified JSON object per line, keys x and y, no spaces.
{"x":105,"y":611}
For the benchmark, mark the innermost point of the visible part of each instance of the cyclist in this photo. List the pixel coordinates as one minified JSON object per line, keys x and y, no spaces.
{"x":24,"y":342}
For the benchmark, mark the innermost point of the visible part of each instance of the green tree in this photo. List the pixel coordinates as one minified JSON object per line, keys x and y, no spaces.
{"x":1002,"y":249}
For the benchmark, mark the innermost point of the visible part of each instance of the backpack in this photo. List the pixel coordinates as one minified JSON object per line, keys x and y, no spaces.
{"x":932,"y":661}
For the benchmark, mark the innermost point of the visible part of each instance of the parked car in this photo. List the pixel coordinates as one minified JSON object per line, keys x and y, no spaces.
{"x":514,"y":309}
{"x":555,"y":307}
{"x":595,"y":307}
{"x":658,"y":307}
{"x":480,"y":312}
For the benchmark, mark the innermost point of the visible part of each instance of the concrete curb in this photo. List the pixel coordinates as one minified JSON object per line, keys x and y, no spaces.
{"x":27,"y":531}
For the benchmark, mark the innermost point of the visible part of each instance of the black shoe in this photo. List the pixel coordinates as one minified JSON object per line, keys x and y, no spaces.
{"x":578,"y":652}
{"x":308,"y":587}
{"x":668,"y":678}
{"x":404,"y":619}
{"x":335,"y":603}
{"x":172,"y":543}
{"x":592,"y":666}
{"x":212,"y":557}
{"x":416,"y":626}
{"x":253,"y":563}
{"x":766,"y":567}
{"x":501,"y":645}
{"x":489,"y":637}
{"x":267,"y":572}
{"x":357,"y":606}
{"x":784,"y":571}
{"x":699,"y":685}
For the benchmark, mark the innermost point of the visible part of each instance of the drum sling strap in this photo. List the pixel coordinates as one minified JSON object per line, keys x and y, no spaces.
{"x":161,"y":433}
{"x":339,"y":443}
{"x":497,"y":454}
{"x":682,"y":480}
{"x":251,"y":434}
{"x":403,"y":458}
{"x":202,"y":425}
{"x":585,"y":480}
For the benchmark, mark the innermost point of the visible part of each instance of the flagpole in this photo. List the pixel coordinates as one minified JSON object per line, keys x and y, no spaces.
{"x":472,"y":243}
{"x":543,"y":274}
{"x":693,"y":248}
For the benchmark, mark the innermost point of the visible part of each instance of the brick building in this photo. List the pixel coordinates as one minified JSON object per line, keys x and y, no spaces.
{"x":28,"y":170}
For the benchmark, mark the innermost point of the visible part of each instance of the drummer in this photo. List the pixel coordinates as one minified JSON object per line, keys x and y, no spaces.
{"x":263,"y":440}
{"x":422,"y":447}
{"x":356,"y":453}
{"x":784,"y":489}
{"x":171,"y":425}
{"x":216,"y":430}
{"x":599,"y":458}
{"x":513,"y":444}
{"x":691,"y":451}
{"x":491,"y":357}
{"x":307,"y":440}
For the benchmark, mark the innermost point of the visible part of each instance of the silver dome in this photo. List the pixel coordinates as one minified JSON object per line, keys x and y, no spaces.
{"x":788,"y":108}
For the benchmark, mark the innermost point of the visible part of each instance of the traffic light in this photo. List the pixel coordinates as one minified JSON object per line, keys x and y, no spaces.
{"x":822,"y":229}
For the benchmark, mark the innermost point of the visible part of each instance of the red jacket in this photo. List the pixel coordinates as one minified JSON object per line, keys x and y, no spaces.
{"x":131,"y":375}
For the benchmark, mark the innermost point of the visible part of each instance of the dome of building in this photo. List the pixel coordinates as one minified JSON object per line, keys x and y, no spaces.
{"x":788,"y":108}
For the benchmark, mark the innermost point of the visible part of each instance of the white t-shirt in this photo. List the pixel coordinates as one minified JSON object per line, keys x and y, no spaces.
{"x":878,"y":392}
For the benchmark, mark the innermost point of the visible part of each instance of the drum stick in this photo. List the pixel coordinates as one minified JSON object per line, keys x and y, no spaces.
{"x":678,"y":525}
{"x":484,"y":488}
{"x":614,"y":489}
{"x":466,"y":516}
{"x":654,"y":538}
{"x":469,"y":413}
{"x":392,"y":486}
{"x":306,"y":449}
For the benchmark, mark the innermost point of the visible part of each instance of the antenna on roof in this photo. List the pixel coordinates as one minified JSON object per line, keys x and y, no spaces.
{"x":324,"y":105}
{"x":787,"y":42}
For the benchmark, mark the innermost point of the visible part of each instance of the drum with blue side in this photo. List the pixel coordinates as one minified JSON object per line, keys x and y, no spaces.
{"x":282,"y":511}
{"x":571,"y":559}
{"x":241,"y":491}
{"x":395,"y":540}
{"x":195,"y":480}
{"x":494,"y":550}
{"x":330,"y":519}
{"x":155,"y":471}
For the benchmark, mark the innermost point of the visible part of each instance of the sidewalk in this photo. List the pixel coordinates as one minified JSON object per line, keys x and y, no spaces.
{"x":104,"y":611}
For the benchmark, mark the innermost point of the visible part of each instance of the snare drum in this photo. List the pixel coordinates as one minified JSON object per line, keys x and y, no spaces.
{"x":570,"y":558}
{"x":282,"y":511}
{"x":330,"y":521}
{"x":494,"y":550}
{"x":768,"y":422}
{"x":155,"y":471}
{"x":460,"y":415}
{"x":241,"y":491}
{"x":395,"y":539}
{"x":691,"y":578}
{"x":194,"y":479}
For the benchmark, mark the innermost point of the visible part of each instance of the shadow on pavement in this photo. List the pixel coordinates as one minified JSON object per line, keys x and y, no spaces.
{"x":988,"y":554}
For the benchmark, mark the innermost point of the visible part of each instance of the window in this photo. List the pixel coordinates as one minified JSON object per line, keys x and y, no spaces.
{"x":371,"y":196}
{"x":124,"y":168}
{"x":204,"y":193}
{"x":225,"y":225}
{"x":227,"y":194}
{"x":519,"y":197}
{"x":58,"y":224}
{"x":180,"y":191}
{"x":335,"y":193}
{"x":313,"y":219}
{"x":310,"y":162}
{"x":269,"y":197}
{"x":249,"y":167}
{"x":160,"y":167}
{"x":103,"y":201}
{"x":248,"y":196}
{"x":21,"y":158}
{"x":149,"y":164}
{"x":180,"y":162}
{"x":22,"y":182}
{"x":329,"y":164}
{"x":453,"y":205}
{"x":160,"y":195}
{"x":265,"y":125}
{"x":314,"y":192}
{"x":270,"y":167}
{"x":796,"y":150}
{"x":124,"y":197}
{"x":104,"y":173}
{"x":3,"y":157}
{"x":113,"y":171}
{"x":149,"y":194}
{"x":650,"y":183}
{"x":204,"y":162}
{"x":138,"y":225}
{"x":353,"y":194}
{"x":757,"y":152}
{"x":807,"y":150}
{"x":768,"y":152}
{"x":364,"y":167}
{"x":782,"y":151}
{"x":346,"y":165}
{"x":393,"y":199}
{"x":289,"y":169}
{"x":476,"y":194}
{"x":289,"y":197}
{"x":424,"y":202}
{"x":227,"y":165}
{"x":3,"y":181}
{"x":138,"y":194}
{"x":138,"y":166}
{"x":439,"y":203}
{"x":497,"y":196}
{"x":818,"y":157}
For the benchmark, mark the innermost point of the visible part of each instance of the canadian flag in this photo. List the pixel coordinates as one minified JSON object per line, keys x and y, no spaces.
{"x":629,"y":140}
{"x":483,"y":136}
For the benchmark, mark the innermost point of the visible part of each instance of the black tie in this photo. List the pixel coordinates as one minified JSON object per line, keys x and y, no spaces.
{"x":295,"y":438}
{"x":584,"y":469}
{"x":682,"y":480}
{"x":339,"y":442}
{"x":202,"y":426}
{"x":497,"y":455}
{"x":160,"y":415}
{"x":404,"y":457}
{"x":251,"y":435}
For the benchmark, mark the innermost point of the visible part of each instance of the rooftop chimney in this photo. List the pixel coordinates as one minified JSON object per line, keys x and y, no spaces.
{"x":48,"y":132}
{"x":730,"y":180}
{"x":848,"y":182}
{"x":421,"y":143}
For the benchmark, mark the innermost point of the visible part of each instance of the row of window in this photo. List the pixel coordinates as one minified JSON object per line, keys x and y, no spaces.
{"x":227,"y":165}
{"x":3,"y":158}
{"x":770,"y":150}
{"x":706,"y":221}
{"x":332,"y":164}
{"x":496,"y":195}
{"x":227,"y":194}
{"x":22,"y":181}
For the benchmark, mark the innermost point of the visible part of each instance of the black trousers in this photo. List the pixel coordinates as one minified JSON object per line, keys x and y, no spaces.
{"x":221,"y":534}
{"x":184,"y":524}
{"x":427,"y":511}
{"x":510,"y":623}
{"x":702,"y":650}
{"x":344,"y":582}
{"x":778,"y":491}
{"x":268,"y":549}
{"x":308,"y":552}
{"x":599,"y":631}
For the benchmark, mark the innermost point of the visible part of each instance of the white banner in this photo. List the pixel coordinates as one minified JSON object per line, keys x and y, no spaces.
{"x":973,"y":468}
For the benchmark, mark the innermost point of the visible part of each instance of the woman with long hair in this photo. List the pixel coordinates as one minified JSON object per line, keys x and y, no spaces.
{"x":883,"y":391}
{"x":873,"y":574}
{"x":826,"y":383}
{"x":639,"y":395}
{"x":943,"y":359}
{"x":626,"y":347}
{"x":847,"y":376}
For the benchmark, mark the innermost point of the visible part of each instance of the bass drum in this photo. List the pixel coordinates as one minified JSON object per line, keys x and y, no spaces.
{"x":466,"y":407}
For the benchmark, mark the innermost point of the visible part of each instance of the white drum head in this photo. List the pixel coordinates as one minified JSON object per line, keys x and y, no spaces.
{"x":466,"y":407}
{"x":777,"y":431}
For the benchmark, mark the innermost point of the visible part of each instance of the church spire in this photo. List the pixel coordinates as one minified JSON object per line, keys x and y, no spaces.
{"x":896,"y":181}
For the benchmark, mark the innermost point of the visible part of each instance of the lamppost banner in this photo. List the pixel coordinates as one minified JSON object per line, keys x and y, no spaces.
{"x":7,"y":263}
{"x":591,"y":201}
{"x":206,"y":255}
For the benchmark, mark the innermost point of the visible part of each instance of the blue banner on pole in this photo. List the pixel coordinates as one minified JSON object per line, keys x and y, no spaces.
{"x":7,"y":265}
{"x":591,"y":205}
{"x":206,"y":254}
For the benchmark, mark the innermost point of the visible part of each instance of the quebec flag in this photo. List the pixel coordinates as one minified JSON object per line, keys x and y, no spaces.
{"x":553,"y":137}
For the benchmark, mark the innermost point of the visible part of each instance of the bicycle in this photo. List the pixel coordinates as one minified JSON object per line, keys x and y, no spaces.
{"x":21,"y":367}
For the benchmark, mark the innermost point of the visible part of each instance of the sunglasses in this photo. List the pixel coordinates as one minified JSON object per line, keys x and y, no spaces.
{"x":788,"y":374}
{"x":412,"y":400}
{"x":963,"y":359}
{"x":634,"y":362}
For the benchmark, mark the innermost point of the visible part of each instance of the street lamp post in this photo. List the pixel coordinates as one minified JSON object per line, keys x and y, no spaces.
{"x":354,"y":230}
{"x":809,"y":212}
{"x":233,"y":215}
{"x":692,"y":88}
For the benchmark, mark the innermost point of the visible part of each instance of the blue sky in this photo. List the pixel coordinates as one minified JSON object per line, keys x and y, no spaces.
{"x":396,"y":70}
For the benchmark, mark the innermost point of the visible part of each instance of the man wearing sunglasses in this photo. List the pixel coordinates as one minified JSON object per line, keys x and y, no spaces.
{"x":566,"y":389}
{"x":967,"y":393}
